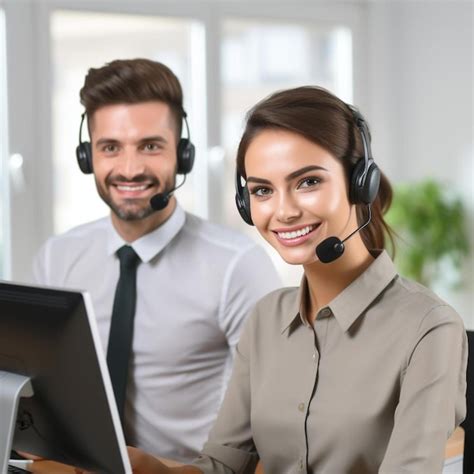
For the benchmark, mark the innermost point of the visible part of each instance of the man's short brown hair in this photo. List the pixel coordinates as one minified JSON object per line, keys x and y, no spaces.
{"x":132,"y":81}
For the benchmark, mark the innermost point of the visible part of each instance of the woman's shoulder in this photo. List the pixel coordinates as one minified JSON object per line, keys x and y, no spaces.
{"x":283,"y":300}
{"x":271,"y":315}
{"x":275,"y":310}
{"x":424,"y":305}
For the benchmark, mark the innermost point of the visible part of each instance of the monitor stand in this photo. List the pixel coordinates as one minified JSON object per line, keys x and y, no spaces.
{"x":12,"y":388}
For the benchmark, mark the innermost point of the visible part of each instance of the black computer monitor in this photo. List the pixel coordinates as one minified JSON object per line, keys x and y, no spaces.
{"x":50,"y":336}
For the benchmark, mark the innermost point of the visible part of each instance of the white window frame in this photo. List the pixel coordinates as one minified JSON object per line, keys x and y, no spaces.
{"x":5,"y":270}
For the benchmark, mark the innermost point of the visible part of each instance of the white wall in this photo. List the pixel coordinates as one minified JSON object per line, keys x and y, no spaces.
{"x":421,"y":102}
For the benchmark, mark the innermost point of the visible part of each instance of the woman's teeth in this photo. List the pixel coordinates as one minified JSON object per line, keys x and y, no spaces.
{"x":296,"y":233}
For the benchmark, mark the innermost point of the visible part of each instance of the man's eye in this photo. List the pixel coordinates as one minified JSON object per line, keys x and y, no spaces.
{"x":261,"y":191}
{"x":151,"y":147}
{"x":110,"y":148}
{"x":309,"y":182}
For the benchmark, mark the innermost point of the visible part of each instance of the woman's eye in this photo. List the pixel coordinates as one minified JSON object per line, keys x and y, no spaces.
{"x":261,"y":191}
{"x":309,"y":182}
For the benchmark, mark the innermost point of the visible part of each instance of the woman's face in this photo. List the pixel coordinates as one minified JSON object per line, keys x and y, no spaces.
{"x":298,"y":194}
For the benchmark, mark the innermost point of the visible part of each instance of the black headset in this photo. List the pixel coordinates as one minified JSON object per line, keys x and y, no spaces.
{"x":365,"y":176}
{"x":185,"y":151}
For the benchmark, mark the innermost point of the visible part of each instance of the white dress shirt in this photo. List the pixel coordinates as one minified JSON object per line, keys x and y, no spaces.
{"x":195,"y":285}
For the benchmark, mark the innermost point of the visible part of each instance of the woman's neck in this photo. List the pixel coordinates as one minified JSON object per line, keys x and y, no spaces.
{"x":327,"y":280}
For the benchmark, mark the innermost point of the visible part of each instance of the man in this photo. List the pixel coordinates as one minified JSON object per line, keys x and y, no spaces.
{"x":195,"y":281}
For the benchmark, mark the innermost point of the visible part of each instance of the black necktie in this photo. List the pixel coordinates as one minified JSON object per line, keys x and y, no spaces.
{"x":121,"y":326}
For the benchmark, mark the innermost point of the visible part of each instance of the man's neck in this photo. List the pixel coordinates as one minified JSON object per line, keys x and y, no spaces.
{"x":134,"y":229}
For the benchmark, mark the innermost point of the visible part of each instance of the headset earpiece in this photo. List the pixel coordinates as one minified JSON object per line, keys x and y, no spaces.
{"x":185,"y":153}
{"x":364,"y":189}
{"x":84,"y":151}
{"x":84,"y":157}
{"x":365,"y":177}
{"x":242,"y":199}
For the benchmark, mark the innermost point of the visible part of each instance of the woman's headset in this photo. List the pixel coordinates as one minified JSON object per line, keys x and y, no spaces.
{"x":365,"y":176}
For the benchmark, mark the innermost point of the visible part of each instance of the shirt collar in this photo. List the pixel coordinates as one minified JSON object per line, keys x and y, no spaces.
{"x":149,"y":245}
{"x":348,"y":305}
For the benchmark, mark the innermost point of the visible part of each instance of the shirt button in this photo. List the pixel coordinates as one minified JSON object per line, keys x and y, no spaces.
{"x":300,"y":464}
{"x":325,"y":312}
{"x":301,"y":407}
{"x":314,"y":356}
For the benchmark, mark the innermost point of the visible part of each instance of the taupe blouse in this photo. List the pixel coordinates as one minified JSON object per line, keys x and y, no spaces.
{"x":376,"y":384}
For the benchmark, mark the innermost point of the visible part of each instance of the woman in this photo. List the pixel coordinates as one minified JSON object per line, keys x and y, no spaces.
{"x":359,"y":370}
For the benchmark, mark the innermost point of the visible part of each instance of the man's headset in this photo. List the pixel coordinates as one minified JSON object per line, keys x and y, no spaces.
{"x":185,"y":151}
{"x":363,"y":189}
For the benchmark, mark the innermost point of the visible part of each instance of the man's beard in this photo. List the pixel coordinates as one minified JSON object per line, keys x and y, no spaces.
{"x":125,"y":213}
{"x":130,"y":209}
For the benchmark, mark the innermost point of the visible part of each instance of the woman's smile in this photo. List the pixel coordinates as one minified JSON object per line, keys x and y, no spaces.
{"x":296,"y":235}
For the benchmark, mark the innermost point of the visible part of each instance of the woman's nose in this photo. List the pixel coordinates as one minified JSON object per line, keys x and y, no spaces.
{"x":288,"y":209}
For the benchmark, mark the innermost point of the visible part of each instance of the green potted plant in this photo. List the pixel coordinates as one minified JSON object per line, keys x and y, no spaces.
{"x":430,"y":224}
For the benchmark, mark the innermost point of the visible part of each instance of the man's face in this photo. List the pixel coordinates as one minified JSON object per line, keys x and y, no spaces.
{"x":134,"y":156}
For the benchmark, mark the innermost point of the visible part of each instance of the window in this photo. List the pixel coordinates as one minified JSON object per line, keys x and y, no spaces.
{"x":81,"y":40}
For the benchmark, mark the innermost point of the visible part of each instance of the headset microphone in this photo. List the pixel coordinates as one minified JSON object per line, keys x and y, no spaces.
{"x":160,"y":201}
{"x":332,"y":248}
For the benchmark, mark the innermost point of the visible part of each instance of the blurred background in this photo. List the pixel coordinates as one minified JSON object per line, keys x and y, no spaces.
{"x":408,"y":65}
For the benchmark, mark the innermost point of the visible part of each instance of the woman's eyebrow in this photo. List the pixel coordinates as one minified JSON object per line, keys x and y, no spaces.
{"x":291,"y":176}
{"x":253,"y":179}
{"x":304,"y":170}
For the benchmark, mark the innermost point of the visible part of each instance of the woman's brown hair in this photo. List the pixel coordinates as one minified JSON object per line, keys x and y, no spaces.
{"x":321,"y":118}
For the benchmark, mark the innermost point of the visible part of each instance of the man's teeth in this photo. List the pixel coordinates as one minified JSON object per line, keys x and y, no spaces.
{"x":296,"y":233}
{"x":123,"y":187}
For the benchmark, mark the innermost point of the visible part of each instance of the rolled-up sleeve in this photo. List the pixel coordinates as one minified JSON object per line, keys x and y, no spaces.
{"x":230,"y":448}
{"x":433,"y":395}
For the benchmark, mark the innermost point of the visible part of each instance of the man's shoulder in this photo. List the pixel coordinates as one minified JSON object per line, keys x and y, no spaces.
{"x":61,"y":252}
{"x":81,"y":233}
{"x":216,"y":235}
